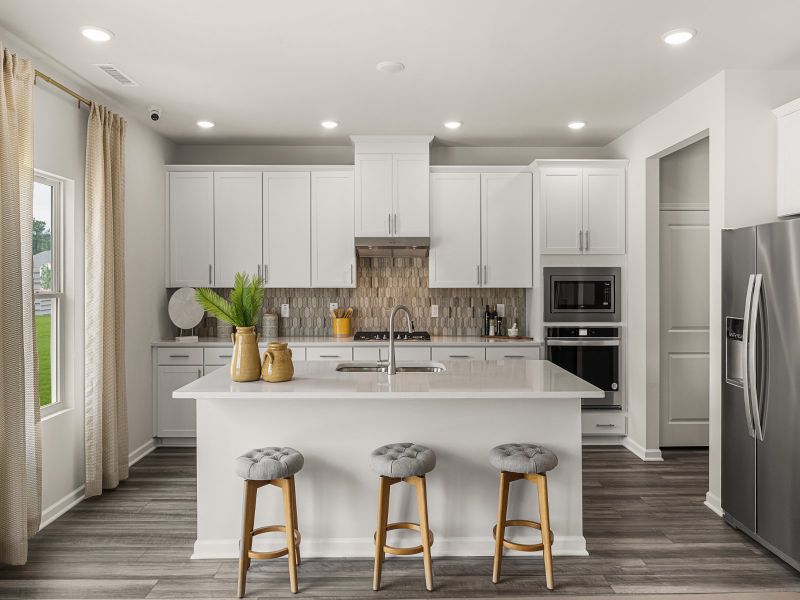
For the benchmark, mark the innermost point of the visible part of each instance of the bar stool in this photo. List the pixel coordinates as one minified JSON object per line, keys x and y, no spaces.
{"x":269,"y":466}
{"x":531,"y":462}
{"x":409,"y":463}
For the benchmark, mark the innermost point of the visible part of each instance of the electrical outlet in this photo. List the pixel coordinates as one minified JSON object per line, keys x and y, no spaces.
{"x":434,"y":311}
{"x":284,"y":310}
{"x":333,"y":305}
{"x":501,"y":310}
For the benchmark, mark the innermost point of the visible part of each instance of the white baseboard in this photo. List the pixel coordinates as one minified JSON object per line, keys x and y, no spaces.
{"x":646,"y":454}
{"x":176,"y":442}
{"x":141,"y":452}
{"x":597,"y":440}
{"x":51,"y":513}
{"x":364,"y":548}
{"x":714,"y":503}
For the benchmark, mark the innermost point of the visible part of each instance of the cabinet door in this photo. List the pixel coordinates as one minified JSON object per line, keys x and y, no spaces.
{"x":604,"y":211}
{"x":191,"y":229}
{"x":411,"y":196}
{"x":788,"y":162}
{"x":507,"y":230}
{"x":175,"y":417}
{"x":237,"y":226}
{"x":561,"y":199}
{"x":333,"y":256}
{"x":373,"y":194}
{"x":455,"y":256}
{"x":406,"y":353}
{"x":287,"y":229}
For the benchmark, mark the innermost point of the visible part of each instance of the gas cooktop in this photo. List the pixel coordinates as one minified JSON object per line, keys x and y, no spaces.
{"x":380,"y":336}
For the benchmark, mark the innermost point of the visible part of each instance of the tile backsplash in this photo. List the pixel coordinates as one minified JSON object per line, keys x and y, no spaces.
{"x":382,"y":283}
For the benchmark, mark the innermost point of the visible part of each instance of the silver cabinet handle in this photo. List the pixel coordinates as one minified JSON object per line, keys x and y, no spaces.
{"x":395,"y":223}
{"x":513,"y":356}
{"x":458,"y":356}
{"x":266,"y":273}
{"x":209,"y":275}
{"x":478,"y":268}
{"x":485,"y":274}
{"x":259,"y":271}
{"x":329,"y":356}
{"x":580,"y":240}
{"x":351,"y":272}
{"x":223,"y":355}
{"x":605,"y":425}
{"x":389,"y":218}
{"x":587,"y":240}
{"x":179,"y":356}
{"x":199,"y":372}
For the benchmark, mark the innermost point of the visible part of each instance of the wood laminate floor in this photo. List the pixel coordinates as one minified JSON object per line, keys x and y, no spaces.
{"x":645,"y":524}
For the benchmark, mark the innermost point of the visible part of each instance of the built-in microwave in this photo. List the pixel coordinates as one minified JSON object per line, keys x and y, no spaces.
{"x":581,"y":294}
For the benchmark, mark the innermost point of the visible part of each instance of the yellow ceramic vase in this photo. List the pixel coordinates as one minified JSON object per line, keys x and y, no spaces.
{"x":245,"y":362}
{"x":278,"y":364}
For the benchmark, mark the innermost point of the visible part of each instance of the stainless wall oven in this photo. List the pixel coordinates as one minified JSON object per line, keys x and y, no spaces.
{"x":591,"y":353}
{"x":585,"y":294}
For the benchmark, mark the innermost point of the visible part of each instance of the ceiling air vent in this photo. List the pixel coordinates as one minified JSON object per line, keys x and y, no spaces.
{"x":118,"y":75}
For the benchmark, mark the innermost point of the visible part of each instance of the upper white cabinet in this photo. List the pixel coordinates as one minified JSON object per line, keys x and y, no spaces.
{"x":237,"y":227}
{"x":788,"y":185}
{"x":582,"y":206}
{"x":287,"y":229}
{"x":481,"y":230}
{"x":191,"y":229}
{"x":391,"y":186}
{"x":333,"y":258}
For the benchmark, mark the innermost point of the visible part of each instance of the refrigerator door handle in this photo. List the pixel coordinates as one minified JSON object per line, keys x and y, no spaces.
{"x":752,"y":379}
{"x":748,"y":309}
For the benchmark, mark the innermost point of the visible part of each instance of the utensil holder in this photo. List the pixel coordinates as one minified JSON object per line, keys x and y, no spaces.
{"x":341,"y":327}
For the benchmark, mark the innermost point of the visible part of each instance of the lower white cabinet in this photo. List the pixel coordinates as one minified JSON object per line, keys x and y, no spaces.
{"x":314,"y":353}
{"x":531,"y":353}
{"x":454,"y":353}
{"x":406,"y":353}
{"x":175,"y":417}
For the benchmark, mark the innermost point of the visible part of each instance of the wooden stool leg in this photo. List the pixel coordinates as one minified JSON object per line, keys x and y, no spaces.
{"x":422,"y":507}
{"x":294,"y":515}
{"x":380,"y":534}
{"x":500,"y":531}
{"x":248,"y":518}
{"x":544,"y":519}
{"x":286,"y":485}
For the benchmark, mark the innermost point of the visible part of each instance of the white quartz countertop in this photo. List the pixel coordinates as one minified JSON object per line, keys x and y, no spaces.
{"x":323,"y":341}
{"x":489,"y":379}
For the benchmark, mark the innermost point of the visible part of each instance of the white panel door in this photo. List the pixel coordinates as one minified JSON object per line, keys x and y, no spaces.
{"x":191,"y":229}
{"x":333,"y":256}
{"x":604,"y":211}
{"x":237,"y":226}
{"x":455,"y":256}
{"x":287,"y":229}
{"x":561,"y":198}
{"x":175,"y":417}
{"x":374,"y":191}
{"x":411,"y":174}
{"x":507,"y":230}
{"x":684,"y":306}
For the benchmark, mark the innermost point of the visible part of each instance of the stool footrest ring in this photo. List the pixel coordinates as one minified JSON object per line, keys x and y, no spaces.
{"x":522,"y":547}
{"x":404,"y":551}
{"x":274,"y":553}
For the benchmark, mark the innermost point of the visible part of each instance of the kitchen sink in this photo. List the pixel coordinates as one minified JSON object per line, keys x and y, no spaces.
{"x":383,"y":367}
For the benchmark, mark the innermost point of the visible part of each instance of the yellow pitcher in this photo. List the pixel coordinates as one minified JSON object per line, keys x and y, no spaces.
{"x":278,"y":364}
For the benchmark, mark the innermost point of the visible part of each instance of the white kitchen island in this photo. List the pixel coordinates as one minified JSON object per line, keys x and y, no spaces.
{"x":336,"y":419}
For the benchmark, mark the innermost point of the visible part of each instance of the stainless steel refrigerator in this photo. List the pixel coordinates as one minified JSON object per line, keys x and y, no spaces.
{"x":761,"y":384}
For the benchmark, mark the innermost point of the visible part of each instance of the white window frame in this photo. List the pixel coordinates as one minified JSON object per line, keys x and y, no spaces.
{"x":56,"y":294}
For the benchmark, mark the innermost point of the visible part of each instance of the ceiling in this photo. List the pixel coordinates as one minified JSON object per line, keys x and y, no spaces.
{"x":514,"y":71}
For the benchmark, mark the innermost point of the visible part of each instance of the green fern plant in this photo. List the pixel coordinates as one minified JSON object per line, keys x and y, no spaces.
{"x":242,"y":308}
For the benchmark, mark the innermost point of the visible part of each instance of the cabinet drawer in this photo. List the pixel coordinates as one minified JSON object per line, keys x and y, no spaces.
{"x":218,"y":356}
{"x":406,"y":353}
{"x":366,"y":354}
{"x":179,"y":356}
{"x":329,"y":353}
{"x":510,"y":353}
{"x":603,"y":423}
{"x":447,"y":353}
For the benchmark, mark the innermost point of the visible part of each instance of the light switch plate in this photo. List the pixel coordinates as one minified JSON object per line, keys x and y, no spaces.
{"x":333,"y":305}
{"x":284,"y":310}
{"x":501,"y":310}
{"x":434,"y":311}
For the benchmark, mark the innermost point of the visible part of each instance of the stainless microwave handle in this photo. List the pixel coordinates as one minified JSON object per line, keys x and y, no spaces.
{"x":594,"y":342}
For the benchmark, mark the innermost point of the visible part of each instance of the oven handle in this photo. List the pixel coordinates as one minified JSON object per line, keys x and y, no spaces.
{"x":595,"y":342}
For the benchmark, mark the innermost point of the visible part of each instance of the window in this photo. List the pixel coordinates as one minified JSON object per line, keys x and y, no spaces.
{"x":48,"y":285}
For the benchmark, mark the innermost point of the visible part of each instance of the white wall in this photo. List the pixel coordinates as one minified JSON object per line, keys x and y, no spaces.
{"x":684,"y":176}
{"x":60,"y":148}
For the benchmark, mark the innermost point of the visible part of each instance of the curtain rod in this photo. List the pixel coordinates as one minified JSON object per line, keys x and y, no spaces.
{"x":63,"y":88}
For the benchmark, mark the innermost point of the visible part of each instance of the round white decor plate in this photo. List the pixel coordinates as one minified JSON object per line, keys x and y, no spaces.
{"x":184,"y":311}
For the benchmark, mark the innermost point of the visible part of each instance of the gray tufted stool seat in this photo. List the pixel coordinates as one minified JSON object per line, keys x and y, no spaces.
{"x":523,"y":458}
{"x":402,"y":460}
{"x":272,"y":462}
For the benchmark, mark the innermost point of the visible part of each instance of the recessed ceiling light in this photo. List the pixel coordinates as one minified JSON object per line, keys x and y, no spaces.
{"x":390,"y":66}
{"x":452,"y":124}
{"x":329,"y":124}
{"x":96,"y":34}
{"x":205,"y":124}
{"x":577,"y":124}
{"x":676,"y":37}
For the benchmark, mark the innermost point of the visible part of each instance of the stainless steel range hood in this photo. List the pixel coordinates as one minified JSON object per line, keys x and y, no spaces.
{"x":413,"y":247}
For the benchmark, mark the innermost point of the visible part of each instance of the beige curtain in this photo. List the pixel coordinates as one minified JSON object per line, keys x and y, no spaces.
{"x":20,"y":446}
{"x":106,"y":406}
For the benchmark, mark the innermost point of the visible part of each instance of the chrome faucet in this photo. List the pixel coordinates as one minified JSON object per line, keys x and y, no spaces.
{"x":392,"y":364}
